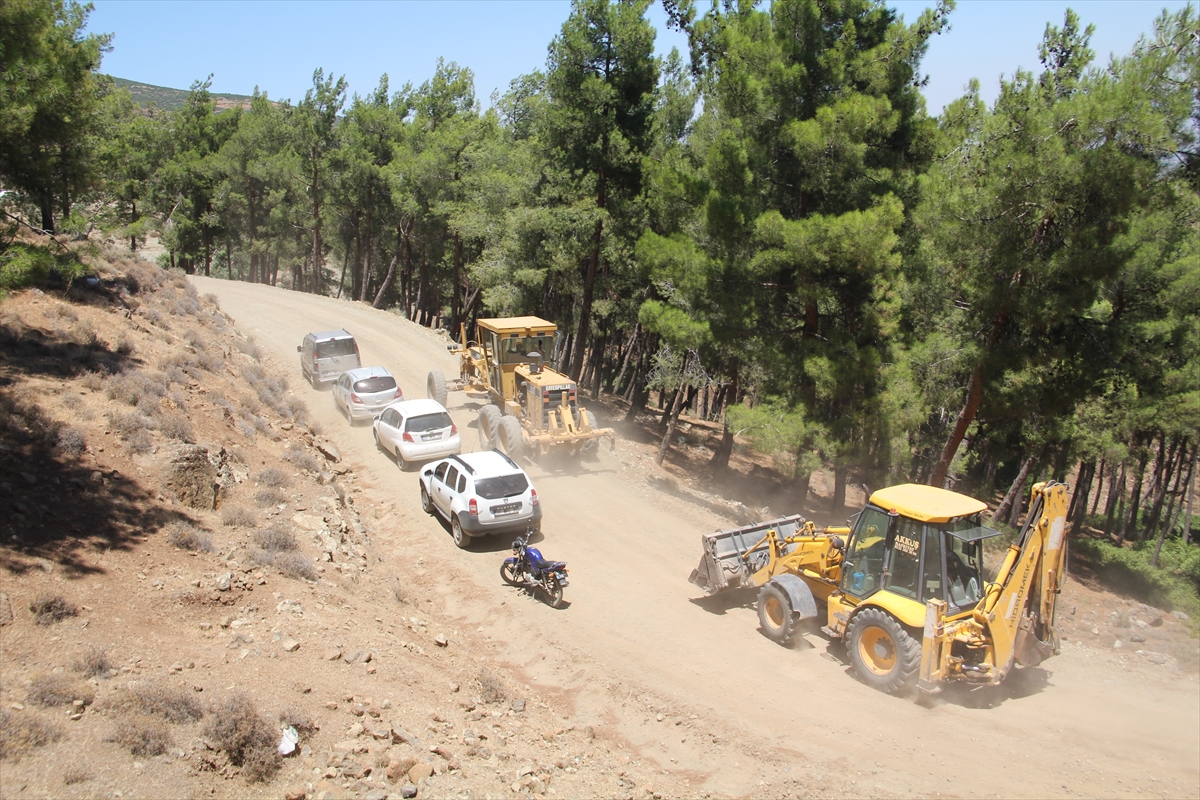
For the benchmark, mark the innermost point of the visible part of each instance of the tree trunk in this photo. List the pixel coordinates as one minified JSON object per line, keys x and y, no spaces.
{"x":1135,"y":500}
{"x":1110,"y":506}
{"x":342,"y":280}
{"x":1080,"y":476}
{"x":1190,"y":488}
{"x":455,"y":307}
{"x":1164,"y":480}
{"x":839,"y":489}
{"x":965,"y":417}
{"x":1012,"y":499}
{"x":401,"y":238}
{"x":598,"y":365}
{"x":720,"y":458}
{"x":1099,"y":488}
{"x":629,"y":351}
{"x":676,"y":406}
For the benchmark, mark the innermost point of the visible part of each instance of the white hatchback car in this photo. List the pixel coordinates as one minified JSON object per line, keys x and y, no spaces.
{"x":364,"y":392}
{"x":416,"y":430}
{"x":480,"y":494}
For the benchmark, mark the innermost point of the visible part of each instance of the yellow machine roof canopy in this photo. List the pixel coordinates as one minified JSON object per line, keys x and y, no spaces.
{"x":926,"y":503}
{"x":517,"y":324}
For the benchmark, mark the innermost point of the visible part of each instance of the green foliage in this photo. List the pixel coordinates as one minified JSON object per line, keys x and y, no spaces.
{"x":1176,"y":586}
{"x":25,"y":265}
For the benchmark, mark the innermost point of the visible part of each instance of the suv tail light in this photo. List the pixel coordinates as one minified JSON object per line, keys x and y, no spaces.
{"x":355,"y":398}
{"x":408,"y":437}
{"x":473,"y":508}
{"x":533,"y":496}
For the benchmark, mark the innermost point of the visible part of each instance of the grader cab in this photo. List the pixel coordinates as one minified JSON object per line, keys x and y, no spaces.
{"x":532,"y":407}
{"x":905,"y":587}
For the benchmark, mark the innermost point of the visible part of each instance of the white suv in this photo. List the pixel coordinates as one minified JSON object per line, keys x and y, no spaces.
{"x":480,"y":494}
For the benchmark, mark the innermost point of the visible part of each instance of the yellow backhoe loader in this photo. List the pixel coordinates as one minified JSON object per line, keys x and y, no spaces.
{"x":532,"y":407}
{"x":904,"y":587}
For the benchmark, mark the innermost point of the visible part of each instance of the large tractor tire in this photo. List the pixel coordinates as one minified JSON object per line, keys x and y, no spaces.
{"x":489,"y":426}
{"x":435,"y":387}
{"x":775,"y":615}
{"x":511,"y":440}
{"x":884,"y":655}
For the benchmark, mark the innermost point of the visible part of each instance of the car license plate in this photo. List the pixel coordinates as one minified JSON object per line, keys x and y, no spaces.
{"x":429,"y":437}
{"x":507,"y":508}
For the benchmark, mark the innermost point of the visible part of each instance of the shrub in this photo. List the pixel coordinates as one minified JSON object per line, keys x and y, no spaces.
{"x":273,"y":477}
{"x":176,"y":426}
{"x":52,"y":689}
{"x":186,"y":537}
{"x":158,"y":699}
{"x":270,"y":497}
{"x":275,"y":538}
{"x":143,"y":736}
{"x":1173,"y":586}
{"x":237,"y":517}
{"x":295,"y":565}
{"x":48,"y":609}
{"x":23,"y":265}
{"x":94,"y":662}
{"x":302,"y":459}
{"x":250,"y":348}
{"x":128,"y":423}
{"x":76,"y":775}
{"x":247,"y":738}
{"x":211,"y":299}
{"x":140,"y":442}
{"x":491,"y":688}
{"x":70,"y":440}
{"x":245,"y":429}
{"x":20,"y":732}
{"x":298,"y":718}
{"x":93,"y":381}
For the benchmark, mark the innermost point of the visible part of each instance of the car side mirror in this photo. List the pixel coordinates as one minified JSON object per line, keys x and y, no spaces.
{"x":428,"y":473}
{"x":299,"y":349}
{"x":377,"y":418}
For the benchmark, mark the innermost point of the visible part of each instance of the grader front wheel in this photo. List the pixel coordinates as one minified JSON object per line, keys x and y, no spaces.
{"x":884,"y":655}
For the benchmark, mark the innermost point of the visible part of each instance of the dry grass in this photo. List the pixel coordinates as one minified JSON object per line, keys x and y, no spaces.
{"x":50,"y":608}
{"x":50,"y":689}
{"x":274,"y":477}
{"x":249,"y":740}
{"x":21,"y":732}
{"x":276,"y":538}
{"x":76,"y":775}
{"x":299,"y":719}
{"x":302,"y":459}
{"x":264,"y":498}
{"x":238,"y":517}
{"x":71,"y":440}
{"x":140,"y":443}
{"x":143,"y":736}
{"x":491,"y":688}
{"x":94,"y":663}
{"x":187,"y":537}
{"x":160,"y":699}
{"x":250,"y":348}
{"x":176,"y":426}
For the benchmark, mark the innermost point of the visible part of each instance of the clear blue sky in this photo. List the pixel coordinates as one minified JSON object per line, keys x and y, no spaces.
{"x":277,"y":45}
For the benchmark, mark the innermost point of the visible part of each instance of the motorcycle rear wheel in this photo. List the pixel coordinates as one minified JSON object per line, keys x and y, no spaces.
{"x":508,"y":571}
{"x":553,"y":592}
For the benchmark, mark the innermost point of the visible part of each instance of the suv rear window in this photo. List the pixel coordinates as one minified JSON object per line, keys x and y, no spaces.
{"x":503,"y":486}
{"x":428,"y":422}
{"x":381,"y":383}
{"x":335,"y":347}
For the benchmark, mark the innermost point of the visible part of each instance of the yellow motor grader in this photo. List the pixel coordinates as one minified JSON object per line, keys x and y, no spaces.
{"x":904,"y":587}
{"x":532,"y":407}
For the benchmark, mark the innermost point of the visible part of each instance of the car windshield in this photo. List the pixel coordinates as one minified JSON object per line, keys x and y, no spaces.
{"x":335,"y":347}
{"x":502,"y":486}
{"x":380,"y":383}
{"x":428,"y":422}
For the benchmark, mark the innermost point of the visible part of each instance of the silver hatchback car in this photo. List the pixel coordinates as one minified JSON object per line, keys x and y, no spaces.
{"x":364,"y":392}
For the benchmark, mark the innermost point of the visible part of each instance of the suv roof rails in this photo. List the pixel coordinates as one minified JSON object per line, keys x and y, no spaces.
{"x":465,"y":465}
{"x":511,"y":463}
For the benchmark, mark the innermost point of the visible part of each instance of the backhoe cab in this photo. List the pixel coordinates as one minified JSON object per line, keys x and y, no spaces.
{"x":532,"y":406}
{"x":905,"y":586}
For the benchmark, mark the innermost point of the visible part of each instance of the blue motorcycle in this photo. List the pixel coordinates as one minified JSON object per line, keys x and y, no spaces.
{"x":526,"y":568}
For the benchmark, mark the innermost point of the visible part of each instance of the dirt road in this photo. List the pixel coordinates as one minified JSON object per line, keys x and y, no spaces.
{"x":635,"y":651}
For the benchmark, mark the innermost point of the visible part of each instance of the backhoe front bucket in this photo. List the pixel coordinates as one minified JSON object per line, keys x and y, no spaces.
{"x":732,"y":556}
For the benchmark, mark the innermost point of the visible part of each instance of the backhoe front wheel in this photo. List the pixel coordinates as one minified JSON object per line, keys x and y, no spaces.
{"x":775,"y":614}
{"x":884,"y":655}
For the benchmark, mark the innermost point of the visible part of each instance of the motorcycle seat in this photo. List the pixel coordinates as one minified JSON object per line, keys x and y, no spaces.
{"x":541,"y":565}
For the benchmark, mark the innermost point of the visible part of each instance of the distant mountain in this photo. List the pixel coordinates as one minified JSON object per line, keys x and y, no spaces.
{"x":171,"y":99}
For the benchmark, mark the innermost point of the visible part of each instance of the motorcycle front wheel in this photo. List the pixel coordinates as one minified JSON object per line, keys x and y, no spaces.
{"x":554,"y":592}
{"x":508,"y":571}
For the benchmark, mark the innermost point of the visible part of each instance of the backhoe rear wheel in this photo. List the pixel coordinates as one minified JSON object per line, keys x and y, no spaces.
{"x":775,"y":614}
{"x":884,"y":655}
